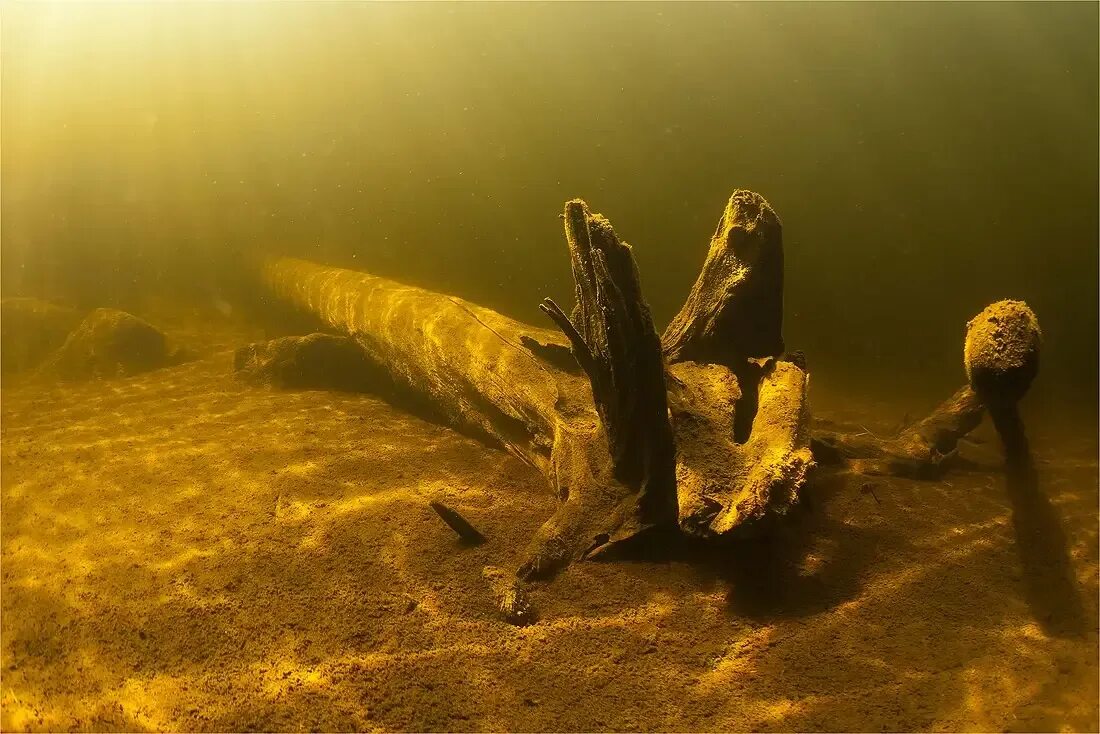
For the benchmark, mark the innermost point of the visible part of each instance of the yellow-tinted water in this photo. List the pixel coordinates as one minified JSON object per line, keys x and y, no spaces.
{"x":184,"y":550}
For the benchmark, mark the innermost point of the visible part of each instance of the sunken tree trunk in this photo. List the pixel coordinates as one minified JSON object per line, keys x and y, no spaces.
{"x":704,"y":430}
{"x":605,"y":443}
{"x":641,"y":438}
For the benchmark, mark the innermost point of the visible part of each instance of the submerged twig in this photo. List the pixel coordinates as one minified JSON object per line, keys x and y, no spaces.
{"x":466,"y":532}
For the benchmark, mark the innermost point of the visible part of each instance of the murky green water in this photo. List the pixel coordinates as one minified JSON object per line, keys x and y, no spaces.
{"x":926,"y":159}
{"x":186,"y":549}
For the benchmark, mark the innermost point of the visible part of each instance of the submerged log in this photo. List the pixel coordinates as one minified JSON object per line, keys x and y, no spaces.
{"x":1001,"y":357}
{"x":472,"y":364}
{"x":704,"y":430}
{"x":631,"y":448}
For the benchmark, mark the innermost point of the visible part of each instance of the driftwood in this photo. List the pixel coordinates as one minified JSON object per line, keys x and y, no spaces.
{"x":1001,"y":356}
{"x":704,"y":430}
{"x":631,"y":448}
{"x":466,"y":532}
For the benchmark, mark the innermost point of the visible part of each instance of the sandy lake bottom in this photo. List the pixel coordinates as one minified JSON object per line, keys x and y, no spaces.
{"x":185,"y":552}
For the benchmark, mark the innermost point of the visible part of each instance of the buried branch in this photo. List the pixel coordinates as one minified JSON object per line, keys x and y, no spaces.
{"x":1001,"y":356}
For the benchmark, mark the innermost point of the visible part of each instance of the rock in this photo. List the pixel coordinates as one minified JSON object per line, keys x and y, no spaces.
{"x":318,"y":361}
{"x":111,"y":343}
{"x":30,"y":329}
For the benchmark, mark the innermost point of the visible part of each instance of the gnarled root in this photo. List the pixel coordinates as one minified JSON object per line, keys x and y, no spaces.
{"x":1001,"y":355}
{"x":921,"y":451}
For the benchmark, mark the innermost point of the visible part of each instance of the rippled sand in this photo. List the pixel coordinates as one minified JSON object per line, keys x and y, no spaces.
{"x":181,"y":551}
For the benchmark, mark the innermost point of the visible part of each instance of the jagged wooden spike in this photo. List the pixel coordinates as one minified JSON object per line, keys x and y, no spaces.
{"x":733,"y":315}
{"x":613,"y":337}
{"x":735,"y":308}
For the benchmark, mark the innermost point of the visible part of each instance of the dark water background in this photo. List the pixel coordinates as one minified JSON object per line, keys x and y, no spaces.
{"x":926,"y":159}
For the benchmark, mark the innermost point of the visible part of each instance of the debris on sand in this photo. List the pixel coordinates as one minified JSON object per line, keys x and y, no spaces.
{"x":315,"y":361}
{"x":112,"y":343}
{"x":511,"y":599}
{"x":456,"y":522}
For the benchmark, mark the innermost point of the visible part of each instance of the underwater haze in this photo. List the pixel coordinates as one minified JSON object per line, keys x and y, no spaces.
{"x":290,"y":439}
{"x":925,"y":158}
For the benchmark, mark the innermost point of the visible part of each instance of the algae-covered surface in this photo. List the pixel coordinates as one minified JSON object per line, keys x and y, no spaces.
{"x":184,"y":551}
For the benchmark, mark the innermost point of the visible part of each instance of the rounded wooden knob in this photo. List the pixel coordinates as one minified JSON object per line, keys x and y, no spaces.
{"x":1002,"y":350}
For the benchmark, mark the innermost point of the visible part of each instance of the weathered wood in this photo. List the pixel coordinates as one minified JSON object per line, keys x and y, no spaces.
{"x":735,"y":308}
{"x":509,"y":596}
{"x":705,"y":429}
{"x":734,"y":312}
{"x":606,"y":443}
{"x":466,"y":532}
{"x":613,"y":338}
{"x":471,"y":363}
{"x":723,"y":484}
{"x":468,"y":360}
{"x":923,"y":450}
{"x":1001,"y":356}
